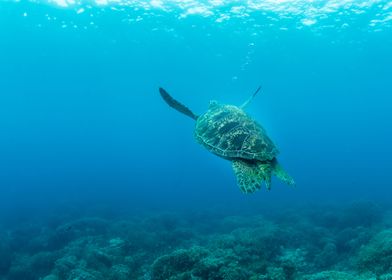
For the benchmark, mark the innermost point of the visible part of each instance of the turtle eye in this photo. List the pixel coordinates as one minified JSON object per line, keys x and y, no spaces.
{"x":213,"y":103}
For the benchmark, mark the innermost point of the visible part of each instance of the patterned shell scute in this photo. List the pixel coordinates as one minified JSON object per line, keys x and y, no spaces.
{"x":228,"y":131}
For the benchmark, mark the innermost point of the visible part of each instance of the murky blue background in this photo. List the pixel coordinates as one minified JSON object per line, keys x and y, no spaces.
{"x":82,"y":123}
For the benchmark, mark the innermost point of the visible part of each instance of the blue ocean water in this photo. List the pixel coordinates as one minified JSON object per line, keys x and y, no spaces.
{"x":85,"y":132}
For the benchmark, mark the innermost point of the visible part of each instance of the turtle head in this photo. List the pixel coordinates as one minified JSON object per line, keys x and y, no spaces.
{"x":213,"y":104}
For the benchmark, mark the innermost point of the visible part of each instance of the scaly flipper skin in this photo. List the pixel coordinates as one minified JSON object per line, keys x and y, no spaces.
{"x":250,"y":175}
{"x":279,"y":172}
{"x":176,"y":105}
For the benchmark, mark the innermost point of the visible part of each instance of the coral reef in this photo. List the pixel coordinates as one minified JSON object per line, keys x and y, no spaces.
{"x":335,"y":275}
{"x":376,"y":256}
{"x":307,"y":243}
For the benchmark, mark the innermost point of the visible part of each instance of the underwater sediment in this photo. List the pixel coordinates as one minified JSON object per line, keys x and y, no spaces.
{"x":304,"y":243}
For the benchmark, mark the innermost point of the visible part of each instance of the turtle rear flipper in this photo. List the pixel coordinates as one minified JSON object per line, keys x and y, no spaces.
{"x":176,"y":105}
{"x":250,"y":175}
{"x":279,"y":172}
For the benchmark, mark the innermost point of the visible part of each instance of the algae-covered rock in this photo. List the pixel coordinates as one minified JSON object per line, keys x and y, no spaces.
{"x":386,"y":276}
{"x":84,"y":274}
{"x":98,"y":259}
{"x":336,"y":275}
{"x":177,"y":264}
{"x":21,"y":269}
{"x":120,"y":272}
{"x":199,"y":263}
{"x":221,"y":264}
{"x":27,"y":267}
{"x":66,"y":233}
{"x":327,"y":257}
{"x":275,"y":273}
{"x":51,"y":277}
{"x":258,"y":243}
{"x":5,"y":256}
{"x":232,"y":272}
{"x":376,"y":256}
{"x":64,"y":265}
{"x":293,"y":261}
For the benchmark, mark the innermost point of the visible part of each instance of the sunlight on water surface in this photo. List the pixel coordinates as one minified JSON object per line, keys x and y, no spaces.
{"x":327,"y":13}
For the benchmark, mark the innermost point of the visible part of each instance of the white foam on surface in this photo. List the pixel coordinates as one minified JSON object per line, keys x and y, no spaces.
{"x":308,"y":13}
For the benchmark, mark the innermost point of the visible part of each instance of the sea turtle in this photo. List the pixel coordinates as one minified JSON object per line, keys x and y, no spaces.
{"x":227,"y":131}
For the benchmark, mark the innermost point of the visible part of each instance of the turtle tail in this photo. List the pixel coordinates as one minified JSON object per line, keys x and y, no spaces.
{"x":176,"y":105}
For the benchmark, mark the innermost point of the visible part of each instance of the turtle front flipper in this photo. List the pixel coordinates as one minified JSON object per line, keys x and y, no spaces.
{"x":250,"y":98}
{"x":176,"y":105}
{"x":250,"y":175}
